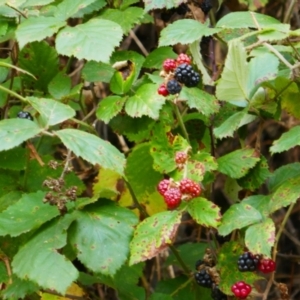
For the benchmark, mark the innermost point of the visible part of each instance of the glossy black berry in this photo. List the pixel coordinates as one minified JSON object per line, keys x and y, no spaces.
{"x":248,"y":262}
{"x":182,"y":9}
{"x":173,"y":87}
{"x":185,"y":74}
{"x":206,"y":6}
{"x":198,"y":264}
{"x":216,"y":294}
{"x":25,"y":115}
{"x":203,"y":278}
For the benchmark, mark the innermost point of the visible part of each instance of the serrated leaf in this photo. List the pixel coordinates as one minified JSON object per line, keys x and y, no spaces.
{"x":260,"y":203}
{"x":238,"y":216}
{"x":156,"y":58}
{"x":109,"y":107}
{"x":37,"y":29}
{"x":98,"y":151}
{"x":101,"y":236}
{"x":237,"y":163}
{"x":39,"y":261}
{"x":8,"y":159}
{"x":83,"y":41}
{"x":205,"y":103}
{"x":97,"y":71}
{"x":204,"y":212}
{"x":263,"y":242}
{"x":287,"y":141}
{"x":155,"y":4}
{"x":52,"y":112}
{"x":8,"y":181}
{"x":153,"y":235}
{"x":15,"y":131}
{"x":28,"y":213}
{"x":177,"y":32}
{"x":60,"y":86}
{"x":145,"y":102}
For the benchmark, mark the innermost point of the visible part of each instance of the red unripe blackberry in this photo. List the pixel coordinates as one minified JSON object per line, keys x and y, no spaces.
{"x":183,"y":59}
{"x":266,"y":265}
{"x":169,"y":65}
{"x":173,"y":87}
{"x":203,"y":278}
{"x":162,"y":90}
{"x":172,"y":197}
{"x":180,"y":157}
{"x":163,"y":186}
{"x":189,"y":187}
{"x":241,"y":289}
{"x":248,"y":262}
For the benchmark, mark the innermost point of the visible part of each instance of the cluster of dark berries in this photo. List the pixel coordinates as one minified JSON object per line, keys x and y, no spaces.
{"x":176,"y":73}
{"x":206,"y":6}
{"x":174,"y":192}
{"x":25,"y":115}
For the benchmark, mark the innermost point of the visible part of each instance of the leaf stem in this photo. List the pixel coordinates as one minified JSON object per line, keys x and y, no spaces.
{"x":289,"y":11}
{"x":181,"y":123}
{"x":181,"y":262}
{"x":12,"y":93}
{"x":182,"y":286}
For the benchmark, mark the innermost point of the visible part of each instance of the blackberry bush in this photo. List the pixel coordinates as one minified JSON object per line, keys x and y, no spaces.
{"x":185,"y":74}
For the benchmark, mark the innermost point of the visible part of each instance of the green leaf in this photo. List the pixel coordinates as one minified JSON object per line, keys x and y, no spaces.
{"x":260,"y":203}
{"x":39,"y":261}
{"x":15,"y":131}
{"x":84,"y":40}
{"x":145,"y":102}
{"x":153,"y":235}
{"x":37,"y":29}
{"x":263,"y":242}
{"x":204,"y":212}
{"x":287,"y":193}
{"x":177,"y":32}
{"x":97,"y":71}
{"x":232,"y":86}
{"x":238,"y":216}
{"x":205,"y":103}
{"x":155,"y":4}
{"x":27,"y":214}
{"x":101,"y":236}
{"x":98,"y":151}
{"x":109,"y":107}
{"x":52,"y":112}
{"x":60,"y":86}
{"x":9,"y":162}
{"x":93,"y":7}
{"x":237,"y":163}
{"x":9,"y":199}
{"x":156,"y":58}
{"x":8,"y":181}
{"x":287,"y":141}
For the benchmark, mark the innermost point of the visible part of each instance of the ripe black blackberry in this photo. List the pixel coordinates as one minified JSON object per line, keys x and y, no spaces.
{"x":216,"y":294}
{"x":203,"y":278}
{"x":248,"y":262}
{"x":206,"y":6}
{"x":185,"y":74}
{"x":173,"y":87}
{"x":25,"y":115}
{"x":182,"y":9}
{"x":198,"y":264}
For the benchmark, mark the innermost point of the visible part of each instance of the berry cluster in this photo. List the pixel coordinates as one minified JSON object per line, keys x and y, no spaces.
{"x":174,"y":192}
{"x":177,"y":72}
{"x":241,"y":289}
{"x":266,"y":265}
{"x":25,"y":115}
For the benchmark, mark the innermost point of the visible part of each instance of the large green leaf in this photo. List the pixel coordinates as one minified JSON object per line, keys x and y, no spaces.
{"x":97,"y":71}
{"x":153,"y":235}
{"x":237,"y":163}
{"x":238,"y":216}
{"x":52,"y":112}
{"x":39,"y":261}
{"x":94,"y":40}
{"x":155,"y":4}
{"x":184,"y":31}
{"x":93,"y":149}
{"x":145,"y":102}
{"x":204,"y":212}
{"x":8,"y":159}
{"x":37,"y":29}
{"x":101,"y":236}
{"x":28,"y":213}
{"x":156,"y":58}
{"x":60,"y":86}
{"x":15,"y":131}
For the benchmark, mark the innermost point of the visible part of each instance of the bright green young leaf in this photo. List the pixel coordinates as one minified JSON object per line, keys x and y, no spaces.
{"x":109,"y":107}
{"x":28,"y":213}
{"x":263,"y":242}
{"x":37,"y":29}
{"x":84,"y":41}
{"x":233,"y":85}
{"x":97,"y":71}
{"x":153,"y":235}
{"x":177,"y":32}
{"x":8,"y":159}
{"x":236,"y":164}
{"x":39,"y":260}
{"x":287,"y":141}
{"x":260,"y":203}
{"x":145,"y":102}
{"x":101,"y":235}
{"x":238,"y":216}
{"x":202,"y":101}
{"x":52,"y":112}
{"x":60,"y":86}
{"x":15,"y":131}
{"x":156,"y":58}
{"x":93,"y":149}
{"x":204,"y":212}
